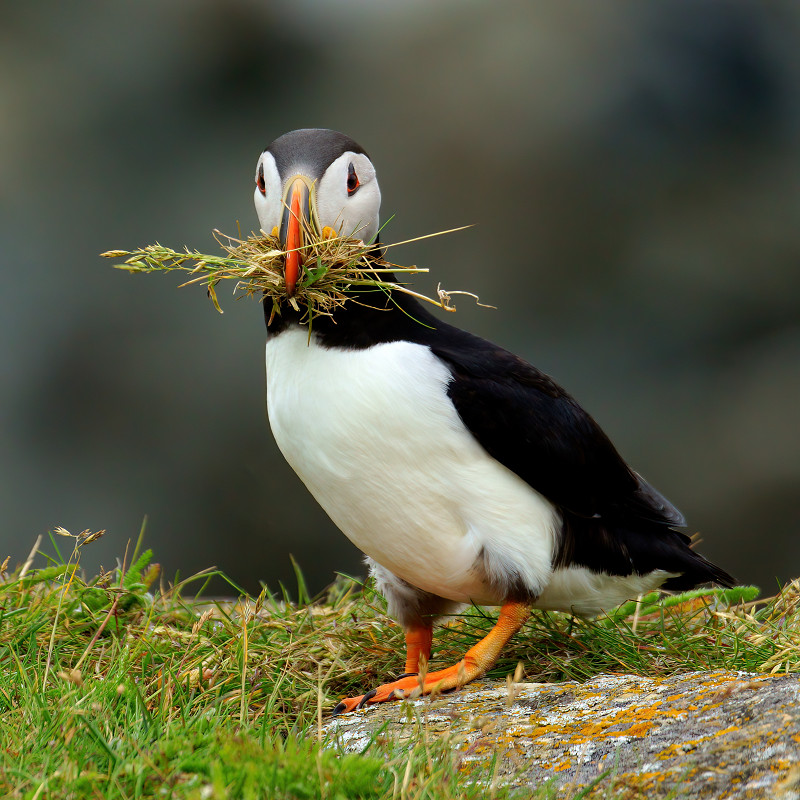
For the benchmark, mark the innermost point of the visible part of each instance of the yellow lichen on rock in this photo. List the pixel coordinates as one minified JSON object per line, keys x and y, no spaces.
{"x":702,"y":734}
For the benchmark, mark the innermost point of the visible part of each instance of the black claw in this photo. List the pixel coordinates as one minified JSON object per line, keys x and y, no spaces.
{"x":342,"y":707}
{"x":365,"y":699}
{"x":407,"y":675}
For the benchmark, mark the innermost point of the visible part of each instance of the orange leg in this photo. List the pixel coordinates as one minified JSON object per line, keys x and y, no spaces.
{"x":476,"y":661}
{"x":418,"y":647}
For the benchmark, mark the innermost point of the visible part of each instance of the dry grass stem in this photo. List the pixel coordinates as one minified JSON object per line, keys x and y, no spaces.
{"x":334,"y":269}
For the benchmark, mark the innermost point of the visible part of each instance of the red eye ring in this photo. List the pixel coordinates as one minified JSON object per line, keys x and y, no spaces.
{"x":352,"y":180}
{"x":262,"y":186}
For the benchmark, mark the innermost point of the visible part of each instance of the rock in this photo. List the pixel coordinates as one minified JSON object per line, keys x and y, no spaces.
{"x":700,"y":735}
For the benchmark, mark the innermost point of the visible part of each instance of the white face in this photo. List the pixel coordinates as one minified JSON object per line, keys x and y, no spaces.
{"x":346,"y":198}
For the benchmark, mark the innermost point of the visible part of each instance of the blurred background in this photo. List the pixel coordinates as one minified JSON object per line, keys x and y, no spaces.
{"x":632,"y":171}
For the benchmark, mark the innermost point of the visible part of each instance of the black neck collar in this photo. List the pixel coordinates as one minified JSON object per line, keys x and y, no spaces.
{"x":366,"y":319}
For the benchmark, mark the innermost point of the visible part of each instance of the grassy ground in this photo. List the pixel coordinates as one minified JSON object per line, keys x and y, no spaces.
{"x":121,"y":686}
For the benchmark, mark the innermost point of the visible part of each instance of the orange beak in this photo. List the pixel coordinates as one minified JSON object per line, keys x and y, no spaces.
{"x":295,"y":216}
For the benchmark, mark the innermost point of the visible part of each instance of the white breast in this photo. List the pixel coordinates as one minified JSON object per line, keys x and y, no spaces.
{"x":376,"y":440}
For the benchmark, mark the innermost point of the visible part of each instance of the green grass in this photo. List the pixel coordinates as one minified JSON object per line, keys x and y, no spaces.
{"x":122,"y":686}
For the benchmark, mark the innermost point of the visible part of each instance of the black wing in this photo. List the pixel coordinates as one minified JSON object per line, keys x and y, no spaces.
{"x":613,"y":520}
{"x":528,"y":423}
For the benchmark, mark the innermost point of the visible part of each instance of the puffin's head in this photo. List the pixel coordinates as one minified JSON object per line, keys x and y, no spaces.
{"x":320,"y":178}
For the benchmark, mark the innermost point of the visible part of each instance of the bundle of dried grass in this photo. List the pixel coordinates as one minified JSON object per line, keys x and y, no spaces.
{"x":334,"y":267}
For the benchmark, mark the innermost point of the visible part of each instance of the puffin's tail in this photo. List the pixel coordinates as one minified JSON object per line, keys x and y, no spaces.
{"x":699,"y":570}
{"x":640,"y":546}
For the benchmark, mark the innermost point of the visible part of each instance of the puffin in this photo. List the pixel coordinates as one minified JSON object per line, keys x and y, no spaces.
{"x":462,"y":472}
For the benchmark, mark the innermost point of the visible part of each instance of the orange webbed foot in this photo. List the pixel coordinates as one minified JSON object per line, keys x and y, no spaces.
{"x":477,"y":660}
{"x":410,"y":685}
{"x":400,"y":689}
{"x":379,"y":695}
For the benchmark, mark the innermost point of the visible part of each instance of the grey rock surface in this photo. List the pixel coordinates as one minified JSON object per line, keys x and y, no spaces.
{"x":699,"y":735}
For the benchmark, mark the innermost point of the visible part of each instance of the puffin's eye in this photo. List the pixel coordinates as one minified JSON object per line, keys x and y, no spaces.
{"x":262,"y":187}
{"x":352,"y":180}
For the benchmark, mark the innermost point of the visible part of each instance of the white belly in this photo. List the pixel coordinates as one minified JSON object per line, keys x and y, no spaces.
{"x":376,"y":440}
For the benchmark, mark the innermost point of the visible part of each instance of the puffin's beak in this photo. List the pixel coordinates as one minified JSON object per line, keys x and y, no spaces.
{"x":296,"y":215}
